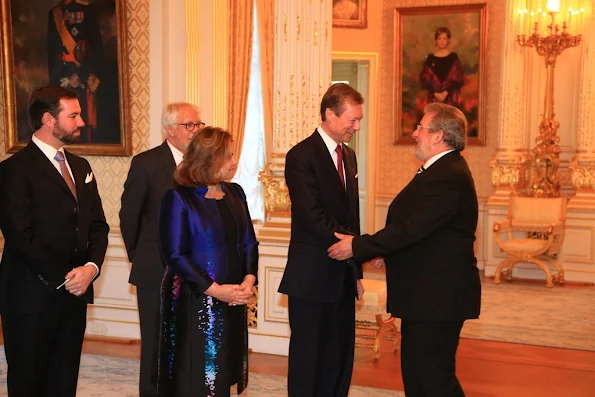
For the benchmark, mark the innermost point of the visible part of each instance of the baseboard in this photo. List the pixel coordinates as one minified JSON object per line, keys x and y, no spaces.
{"x":111,"y":339}
{"x":535,"y":281}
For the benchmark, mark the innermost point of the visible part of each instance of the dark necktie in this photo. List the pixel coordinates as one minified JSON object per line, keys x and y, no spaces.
{"x":59,"y":157}
{"x":339,"y":151}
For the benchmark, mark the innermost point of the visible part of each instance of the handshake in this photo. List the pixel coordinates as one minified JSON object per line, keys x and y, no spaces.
{"x":342,"y":250}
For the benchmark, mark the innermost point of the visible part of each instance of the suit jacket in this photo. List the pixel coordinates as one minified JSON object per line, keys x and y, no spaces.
{"x":151,"y":175}
{"x":427,"y":245}
{"x":47,"y":232}
{"x":320,"y":206}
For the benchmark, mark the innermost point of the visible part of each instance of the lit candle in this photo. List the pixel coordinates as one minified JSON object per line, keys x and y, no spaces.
{"x":553,"y":5}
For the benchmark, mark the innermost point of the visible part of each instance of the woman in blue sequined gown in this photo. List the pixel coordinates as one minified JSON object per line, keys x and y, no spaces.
{"x":209,"y":246}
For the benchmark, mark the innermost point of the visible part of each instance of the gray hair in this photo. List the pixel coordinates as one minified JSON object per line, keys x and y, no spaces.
{"x":451,"y":121}
{"x":170,"y":114}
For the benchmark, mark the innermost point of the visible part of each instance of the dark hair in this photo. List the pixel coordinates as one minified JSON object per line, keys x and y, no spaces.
{"x":451,"y":121}
{"x":47,"y":100}
{"x":335,"y":98}
{"x":205,"y":155}
{"x":440,"y":30}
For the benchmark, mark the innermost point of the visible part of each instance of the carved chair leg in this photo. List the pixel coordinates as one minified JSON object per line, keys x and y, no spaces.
{"x":559,"y":277}
{"x":378,"y":335}
{"x":507,"y":264}
{"x":396,"y":331}
{"x":549,"y":281}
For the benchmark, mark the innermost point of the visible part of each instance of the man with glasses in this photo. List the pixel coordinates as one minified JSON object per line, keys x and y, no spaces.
{"x":431,"y":271}
{"x":151,"y":175}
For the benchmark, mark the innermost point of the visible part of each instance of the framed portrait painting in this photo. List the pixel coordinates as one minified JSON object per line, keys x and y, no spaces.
{"x":440,"y":56}
{"x":75,"y":44}
{"x":350,"y":14}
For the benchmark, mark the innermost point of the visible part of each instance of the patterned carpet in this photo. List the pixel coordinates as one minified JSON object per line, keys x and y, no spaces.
{"x":102,"y":376}
{"x":532,"y":314}
{"x":563,"y":316}
{"x":529,"y":313}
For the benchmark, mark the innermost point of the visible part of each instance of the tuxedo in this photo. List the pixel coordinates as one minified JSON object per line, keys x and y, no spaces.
{"x":151,"y":174}
{"x":47,"y":232}
{"x":321,"y":290}
{"x":431,"y":274}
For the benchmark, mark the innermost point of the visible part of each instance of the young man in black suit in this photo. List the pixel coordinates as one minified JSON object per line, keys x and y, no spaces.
{"x":55,"y":242}
{"x":321,"y":175}
{"x":151,"y":174}
{"x":431,"y":274}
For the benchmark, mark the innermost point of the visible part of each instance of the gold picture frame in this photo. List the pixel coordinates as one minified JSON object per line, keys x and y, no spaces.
{"x":32,"y":56}
{"x":350,"y":14}
{"x":415,"y":31}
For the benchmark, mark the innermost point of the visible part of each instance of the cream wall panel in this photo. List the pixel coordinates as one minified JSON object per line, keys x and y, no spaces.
{"x":579,"y":245}
{"x":276,"y":305}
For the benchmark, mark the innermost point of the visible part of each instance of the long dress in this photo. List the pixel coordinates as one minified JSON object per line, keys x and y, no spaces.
{"x":440,"y":74}
{"x":203,"y":344}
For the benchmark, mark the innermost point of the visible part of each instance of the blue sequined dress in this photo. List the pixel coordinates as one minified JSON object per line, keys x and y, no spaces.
{"x":204,"y":342}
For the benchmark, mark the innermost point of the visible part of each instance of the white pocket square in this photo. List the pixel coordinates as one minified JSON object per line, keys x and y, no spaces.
{"x":89,"y":177}
{"x":356,"y":175}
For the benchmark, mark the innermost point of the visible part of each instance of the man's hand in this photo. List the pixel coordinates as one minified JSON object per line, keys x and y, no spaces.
{"x":360,"y":290}
{"x":377,"y":262}
{"x":80,"y":279}
{"x":341,"y":250}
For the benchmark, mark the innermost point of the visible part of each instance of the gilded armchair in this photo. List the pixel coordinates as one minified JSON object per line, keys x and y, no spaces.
{"x":541,"y":222}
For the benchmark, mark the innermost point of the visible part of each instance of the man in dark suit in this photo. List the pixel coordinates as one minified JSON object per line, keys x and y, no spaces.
{"x":151,"y":175}
{"x":321,"y":175}
{"x":431,"y":274}
{"x":55,"y":242}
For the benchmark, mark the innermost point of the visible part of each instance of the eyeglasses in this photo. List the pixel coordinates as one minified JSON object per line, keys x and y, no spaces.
{"x":422,"y":127}
{"x":191,"y":126}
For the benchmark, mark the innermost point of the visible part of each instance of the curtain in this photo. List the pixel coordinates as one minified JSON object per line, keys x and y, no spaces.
{"x":240,"y":56}
{"x":266,"y":35}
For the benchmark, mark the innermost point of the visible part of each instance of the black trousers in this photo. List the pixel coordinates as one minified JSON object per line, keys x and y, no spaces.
{"x":43,"y":350}
{"x":149,"y":314}
{"x":428,"y":350}
{"x":321,"y":347}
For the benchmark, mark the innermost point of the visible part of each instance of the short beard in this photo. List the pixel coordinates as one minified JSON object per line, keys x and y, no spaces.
{"x":63,"y":136}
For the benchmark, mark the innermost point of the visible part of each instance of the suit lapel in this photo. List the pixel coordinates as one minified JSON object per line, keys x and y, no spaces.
{"x":350,"y":169}
{"x":169,"y":164}
{"x":46,"y":167}
{"x":436,"y":167}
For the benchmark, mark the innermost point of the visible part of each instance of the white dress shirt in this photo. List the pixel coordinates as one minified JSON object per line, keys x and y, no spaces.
{"x":178,"y":156}
{"x":50,"y":153}
{"x":435,"y":158}
{"x":331,"y":145}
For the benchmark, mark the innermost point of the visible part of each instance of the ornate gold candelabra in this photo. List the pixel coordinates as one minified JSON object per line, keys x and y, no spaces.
{"x":546,"y":155}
